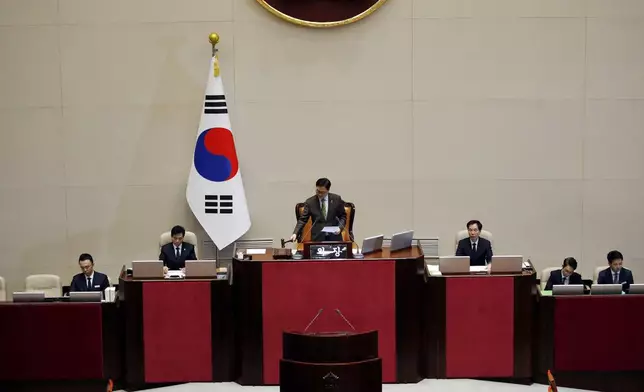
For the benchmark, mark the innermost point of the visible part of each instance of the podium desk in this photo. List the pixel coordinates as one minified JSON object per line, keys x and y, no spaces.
{"x":59,"y":346}
{"x":479,"y":326}
{"x":380,"y":292}
{"x":177,"y":331}
{"x":592,"y":342}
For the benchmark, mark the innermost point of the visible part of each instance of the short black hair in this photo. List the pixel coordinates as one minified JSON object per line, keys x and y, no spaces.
{"x":474,"y":222}
{"x":85,"y":256}
{"x":571,"y":262}
{"x":614,"y":255}
{"x":178,"y":230}
{"x":325,"y":182}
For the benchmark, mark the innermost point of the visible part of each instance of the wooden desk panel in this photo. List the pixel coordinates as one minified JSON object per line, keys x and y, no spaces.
{"x":573,"y":341}
{"x":249,"y":309}
{"x":440,"y":358}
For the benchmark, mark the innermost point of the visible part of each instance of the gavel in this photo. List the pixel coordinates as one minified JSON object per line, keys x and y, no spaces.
{"x":285,"y":242}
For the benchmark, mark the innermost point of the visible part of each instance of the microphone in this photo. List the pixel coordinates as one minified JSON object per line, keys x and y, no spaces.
{"x":357,"y":255}
{"x":310,"y":228}
{"x":345,"y":319}
{"x":298,"y":255}
{"x":314,"y":318}
{"x":291,"y":241}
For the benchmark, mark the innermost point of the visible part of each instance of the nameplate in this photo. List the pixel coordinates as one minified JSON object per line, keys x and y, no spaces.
{"x":329,"y":251}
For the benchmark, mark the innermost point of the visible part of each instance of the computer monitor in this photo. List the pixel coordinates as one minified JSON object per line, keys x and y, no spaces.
{"x":511,"y":264}
{"x":637,"y":288}
{"x":85,"y":296}
{"x":401,"y":240}
{"x":454,"y":265}
{"x":201,"y":268}
{"x":28,"y":296}
{"x":372,"y":244}
{"x":568,"y":289}
{"x":606,"y":289}
{"x":147,"y":269}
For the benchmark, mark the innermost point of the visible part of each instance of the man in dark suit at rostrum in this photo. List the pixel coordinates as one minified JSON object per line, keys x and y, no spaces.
{"x":478,"y":249}
{"x":324,"y":209}
{"x":175,"y":254}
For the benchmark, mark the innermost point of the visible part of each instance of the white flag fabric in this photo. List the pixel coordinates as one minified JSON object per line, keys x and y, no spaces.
{"x":215,"y":190}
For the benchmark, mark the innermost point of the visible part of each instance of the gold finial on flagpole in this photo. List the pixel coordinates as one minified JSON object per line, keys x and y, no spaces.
{"x":214,"y":40}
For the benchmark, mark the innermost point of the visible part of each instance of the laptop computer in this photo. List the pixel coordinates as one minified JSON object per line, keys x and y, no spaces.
{"x":606,"y":289}
{"x":85,"y":296}
{"x":637,"y":288}
{"x":568,"y":289}
{"x":28,"y":296}
{"x":147,"y":269}
{"x":372,"y":244}
{"x":454,"y":265}
{"x":401,"y":240}
{"x":201,"y":268}
{"x":506,"y":264}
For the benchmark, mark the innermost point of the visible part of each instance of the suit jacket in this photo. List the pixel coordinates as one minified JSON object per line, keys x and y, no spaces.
{"x":625,"y":277}
{"x":99,"y":283}
{"x":483,"y":251}
{"x":335,"y":216}
{"x":555,"y":278}
{"x":169,"y":258}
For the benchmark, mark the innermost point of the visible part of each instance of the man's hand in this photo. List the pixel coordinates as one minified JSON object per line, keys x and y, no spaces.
{"x":337,"y":231}
{"x":293,"y":237}
{"x":165,"y":270}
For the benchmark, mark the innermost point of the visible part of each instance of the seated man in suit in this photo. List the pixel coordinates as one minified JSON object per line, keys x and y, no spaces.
{"x":566,"y":275}
{"x":479,"y":249}
{"x":325,"y":209}
{"x":88,"y":280}
{"x":615,"y":273}
{"x":175,"y":254}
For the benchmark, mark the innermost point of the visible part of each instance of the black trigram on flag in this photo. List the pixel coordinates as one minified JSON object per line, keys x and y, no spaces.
{"x":219,"y":204}
{"x":215,"y":104}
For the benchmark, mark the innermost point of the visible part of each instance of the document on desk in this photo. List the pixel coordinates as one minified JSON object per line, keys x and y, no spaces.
{"x":255,"y":251}
{"x":433,"y":270}
{"x":173,"y":274}
{"x":478,"y":268}
{"x":331,"y":229}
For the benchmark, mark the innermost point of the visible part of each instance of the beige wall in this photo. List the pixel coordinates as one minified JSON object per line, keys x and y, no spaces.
{"x":526,"y":114}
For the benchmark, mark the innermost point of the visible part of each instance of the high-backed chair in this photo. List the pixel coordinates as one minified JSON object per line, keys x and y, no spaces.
{"x":3,"y":290}
{"x":305,"y":235}
{"x":190,"y":238}
{"x":545,"y":274}
{"x":463,"y":234}
{"x":49,"y":284}
{"x":597,"y":271}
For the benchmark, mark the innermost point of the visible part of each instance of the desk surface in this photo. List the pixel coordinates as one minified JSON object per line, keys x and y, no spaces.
{"x":385,"y":254}
{"x":131,"y":279}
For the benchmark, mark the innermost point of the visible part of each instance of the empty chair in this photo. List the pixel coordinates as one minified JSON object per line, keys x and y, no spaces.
{"x":49,"y":284}
{"x":3,"y":290}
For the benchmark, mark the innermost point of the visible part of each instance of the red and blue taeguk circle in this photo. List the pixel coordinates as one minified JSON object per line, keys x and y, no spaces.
{"x":215,"y":155}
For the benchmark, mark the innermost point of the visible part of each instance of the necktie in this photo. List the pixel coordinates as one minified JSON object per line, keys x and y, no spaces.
{"x":473,"y":247}
{"x":177,"y":252}
{"x":89,"y":284}
{"x":323,"y":207}
{"x":615,"y":278}
{"x":565,"y":280}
